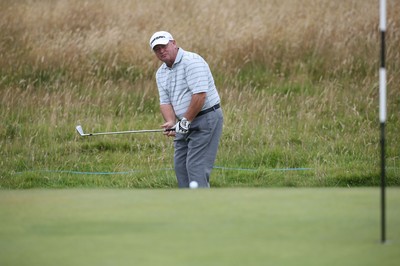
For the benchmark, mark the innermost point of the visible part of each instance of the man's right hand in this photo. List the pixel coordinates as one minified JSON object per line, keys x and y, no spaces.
{"x":169,"y":125}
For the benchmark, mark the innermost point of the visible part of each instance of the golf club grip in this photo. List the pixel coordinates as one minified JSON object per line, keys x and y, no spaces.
{"x":190,"y":129}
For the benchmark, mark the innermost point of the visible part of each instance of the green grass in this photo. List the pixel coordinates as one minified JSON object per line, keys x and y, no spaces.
{"x":299,"y":226}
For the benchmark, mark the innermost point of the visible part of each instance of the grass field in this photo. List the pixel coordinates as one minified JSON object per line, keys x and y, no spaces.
{"x":299,"y":226}
{"x":298,"y":82}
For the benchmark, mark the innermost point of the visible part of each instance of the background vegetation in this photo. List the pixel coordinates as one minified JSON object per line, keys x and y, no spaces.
{"x":298,"y":82}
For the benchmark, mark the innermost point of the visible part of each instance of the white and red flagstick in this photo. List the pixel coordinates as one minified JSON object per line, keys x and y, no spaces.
{"x":382,"y":114}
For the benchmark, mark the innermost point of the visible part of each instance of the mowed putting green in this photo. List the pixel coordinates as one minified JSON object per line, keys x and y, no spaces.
{"x":316,"y":226}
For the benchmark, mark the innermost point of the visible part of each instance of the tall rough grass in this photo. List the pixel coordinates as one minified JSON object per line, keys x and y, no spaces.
{"x":298,"y":81}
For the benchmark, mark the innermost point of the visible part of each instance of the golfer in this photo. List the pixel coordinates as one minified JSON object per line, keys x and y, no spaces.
{"x":189,"y":102}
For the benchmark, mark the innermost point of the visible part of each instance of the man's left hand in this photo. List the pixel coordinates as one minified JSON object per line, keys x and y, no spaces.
{"x":182,"y":126}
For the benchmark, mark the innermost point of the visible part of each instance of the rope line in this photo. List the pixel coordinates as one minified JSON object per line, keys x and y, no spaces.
{"x":162,"y":169}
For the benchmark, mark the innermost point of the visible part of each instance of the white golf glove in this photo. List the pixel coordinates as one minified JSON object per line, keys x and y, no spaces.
{"x":182,"y":126}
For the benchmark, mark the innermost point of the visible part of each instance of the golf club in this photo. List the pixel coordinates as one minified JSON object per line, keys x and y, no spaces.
{"x":80,"y":131}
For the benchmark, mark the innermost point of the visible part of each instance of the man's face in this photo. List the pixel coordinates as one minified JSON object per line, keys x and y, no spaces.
{"x":166,"y":53}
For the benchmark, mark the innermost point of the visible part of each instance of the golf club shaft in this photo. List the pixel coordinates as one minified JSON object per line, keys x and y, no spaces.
{"x":79,"y":129}
{"x":126,"y":132}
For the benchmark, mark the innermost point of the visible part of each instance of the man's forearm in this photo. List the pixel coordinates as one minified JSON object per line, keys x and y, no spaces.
{"x":195,"y":106}
{"x":168,"y":112}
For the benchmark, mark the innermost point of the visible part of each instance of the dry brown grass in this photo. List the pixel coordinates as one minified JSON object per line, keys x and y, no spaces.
{"x":298,"y":78}
{"x":228,"y":33}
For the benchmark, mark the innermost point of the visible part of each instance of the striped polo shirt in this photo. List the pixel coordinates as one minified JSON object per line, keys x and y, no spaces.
{"x":190,"y":74}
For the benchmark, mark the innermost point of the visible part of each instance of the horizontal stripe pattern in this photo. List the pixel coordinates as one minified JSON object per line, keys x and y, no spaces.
{"x":189,"y":75}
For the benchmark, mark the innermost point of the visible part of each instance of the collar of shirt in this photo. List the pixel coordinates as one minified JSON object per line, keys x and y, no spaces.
{"x":178,"y":59}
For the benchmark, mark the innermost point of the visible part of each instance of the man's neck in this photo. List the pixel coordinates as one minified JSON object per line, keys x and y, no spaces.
{"x":171,"y":63}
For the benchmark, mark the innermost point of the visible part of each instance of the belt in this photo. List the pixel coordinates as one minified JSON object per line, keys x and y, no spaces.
{"x":215,"y":107}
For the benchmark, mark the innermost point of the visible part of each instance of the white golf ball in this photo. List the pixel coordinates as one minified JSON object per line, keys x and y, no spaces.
{"x":193,"y":184}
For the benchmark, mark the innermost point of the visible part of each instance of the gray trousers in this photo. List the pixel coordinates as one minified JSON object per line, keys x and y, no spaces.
{"x":196,"y":151}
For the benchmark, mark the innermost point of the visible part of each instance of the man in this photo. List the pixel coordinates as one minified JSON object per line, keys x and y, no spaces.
{"x":190,"y":104}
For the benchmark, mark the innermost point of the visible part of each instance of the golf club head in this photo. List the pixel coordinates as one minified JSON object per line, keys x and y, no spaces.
{"x":80,"y":130}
